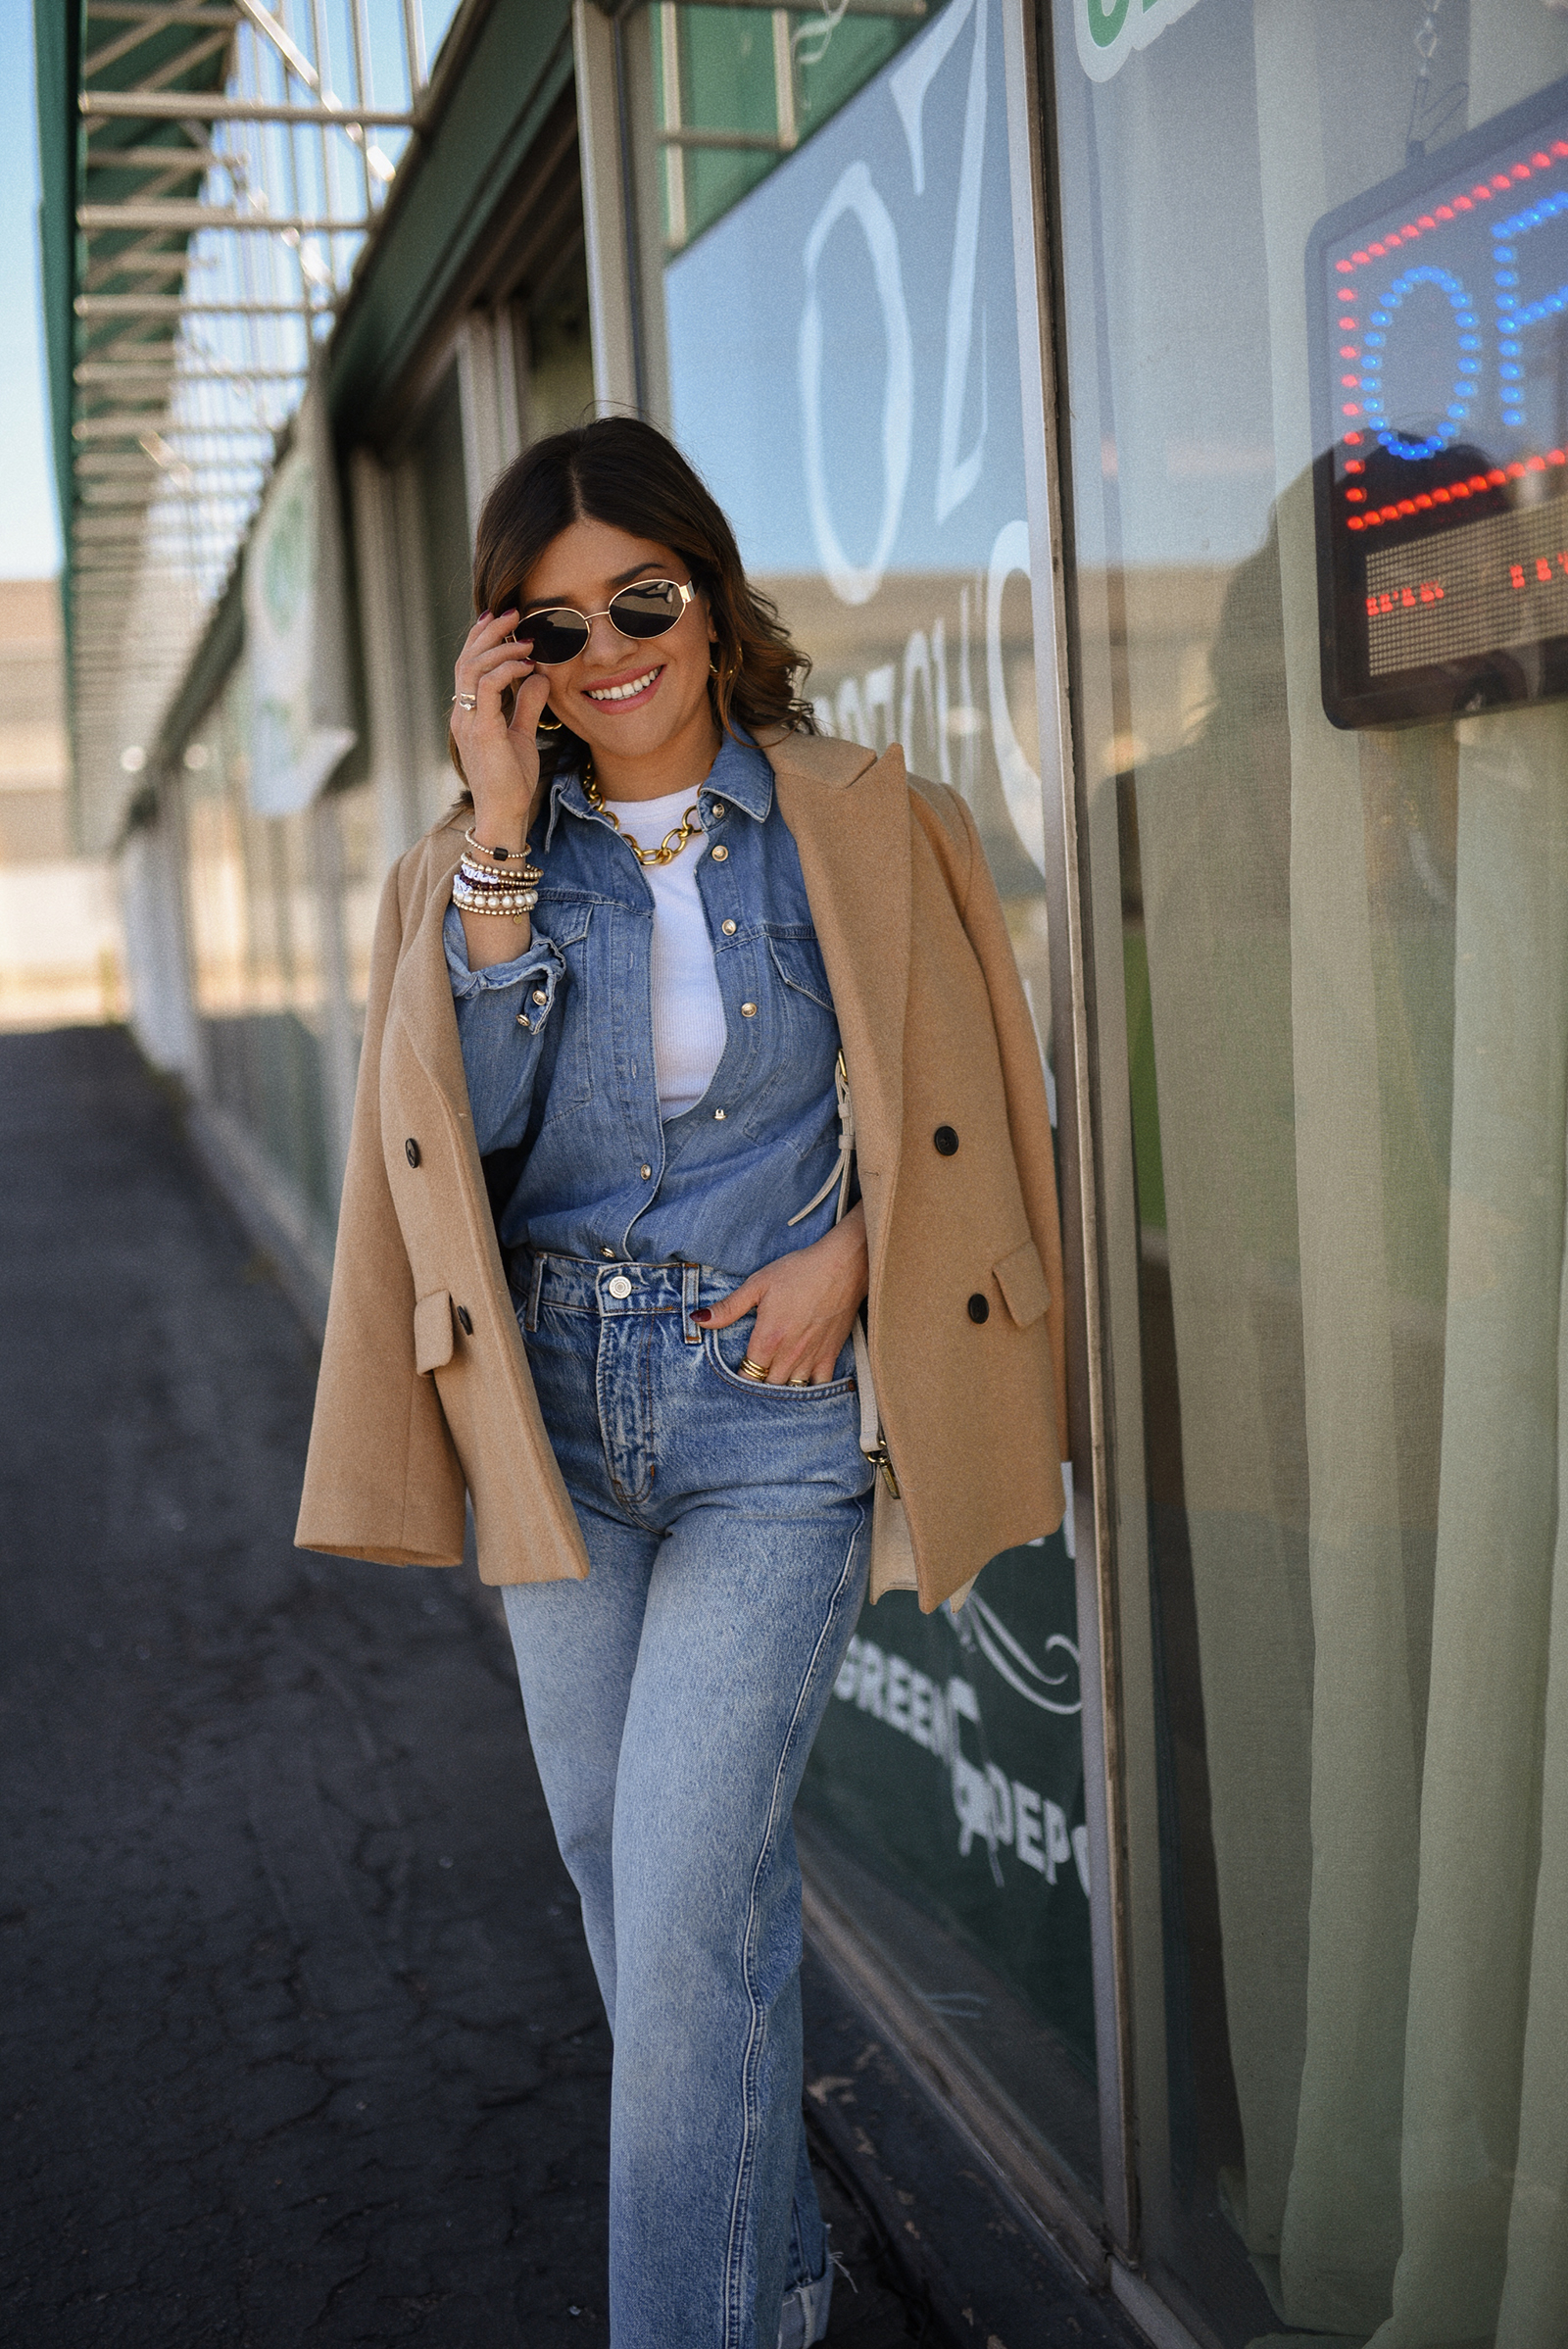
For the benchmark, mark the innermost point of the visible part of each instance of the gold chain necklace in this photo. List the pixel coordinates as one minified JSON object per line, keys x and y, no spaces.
{"x":668,"y":849}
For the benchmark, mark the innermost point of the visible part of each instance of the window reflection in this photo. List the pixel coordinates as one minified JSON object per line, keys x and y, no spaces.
{"x":1341,"y":990}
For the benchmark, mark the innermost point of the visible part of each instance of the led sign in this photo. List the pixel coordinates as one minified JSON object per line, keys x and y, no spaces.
{"x":1439,"y":306}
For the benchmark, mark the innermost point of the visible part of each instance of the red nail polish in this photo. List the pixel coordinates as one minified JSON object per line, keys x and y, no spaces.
{"x":704,"y":1313}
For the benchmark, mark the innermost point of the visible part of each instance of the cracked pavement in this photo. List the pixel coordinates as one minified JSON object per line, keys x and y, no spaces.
{"x":300,"y":2038}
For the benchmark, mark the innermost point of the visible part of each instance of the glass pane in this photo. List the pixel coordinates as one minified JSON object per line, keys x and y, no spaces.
{"x":1313,"y":272}
{"x":860,"y":423}
{"x":560,"y":359}
{"x":438,"y":570}
{"x":254,"y":915}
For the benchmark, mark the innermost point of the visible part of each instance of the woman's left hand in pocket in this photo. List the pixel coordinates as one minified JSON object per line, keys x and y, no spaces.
{"x":805,"y":1302}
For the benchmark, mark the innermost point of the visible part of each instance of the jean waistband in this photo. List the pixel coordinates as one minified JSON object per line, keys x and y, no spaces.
{"x":609,"y":1288}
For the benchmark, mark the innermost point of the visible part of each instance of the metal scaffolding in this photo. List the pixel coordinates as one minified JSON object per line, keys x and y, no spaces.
{"x":232,"y":163}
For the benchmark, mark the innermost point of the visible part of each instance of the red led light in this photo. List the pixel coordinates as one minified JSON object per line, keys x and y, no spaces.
{"x":1357,"y":523}
{"x":1521,"y":171}
{"x":1427,"y":221}
{"x":1405,"y":506}
{"x":1458,"y":489}
{"x":1343,"y":265}
{"x":1354,"y":464}
{"x":1350,"y":408}
{"x":1479,"y":482}
{"x":1559,"y":146}
{"x":1373,"y":518}
{"x":1352,"y":440}
{"x":1357,"y":497}
{"x":1557,"y":456}
{"x":1440,"y":497}
{"x":1516,"y":471}
{"x":1543,"y":163}
{"x":1463,"y":203}
{"x":1444,"y":212}
{"x":1497,"y":478}
{"x":1380,"y":250}
{"x":1423,"y":501}
{"x":1501,"y":179}
{"x":1362,"y":258}
{"x":1349,"y":351}
{"x":1349,"y":382}
{"x":1410,"y":229}
{"x":1535,"y":464}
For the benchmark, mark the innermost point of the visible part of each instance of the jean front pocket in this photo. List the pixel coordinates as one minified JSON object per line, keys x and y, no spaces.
{"x":726,"y":1351}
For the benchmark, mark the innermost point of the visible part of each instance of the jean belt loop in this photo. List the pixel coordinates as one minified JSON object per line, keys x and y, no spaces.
{"x":535,"y":1286}
{"x":691,"y":1276}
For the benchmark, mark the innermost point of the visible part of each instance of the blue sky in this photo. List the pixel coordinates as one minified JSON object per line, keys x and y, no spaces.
{"x":30,"y":533}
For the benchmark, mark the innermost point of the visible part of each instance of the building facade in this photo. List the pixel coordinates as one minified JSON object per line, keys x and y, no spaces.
{"x":1153,"y":414}
{"x":60,"y":951}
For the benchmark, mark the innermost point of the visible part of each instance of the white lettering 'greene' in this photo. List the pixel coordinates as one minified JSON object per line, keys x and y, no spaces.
{"x":992,"y":1807}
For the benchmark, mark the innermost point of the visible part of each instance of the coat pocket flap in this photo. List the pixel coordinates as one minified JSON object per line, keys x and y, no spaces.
{"x":1022,"y":1281}
{"x":433,"y":1331}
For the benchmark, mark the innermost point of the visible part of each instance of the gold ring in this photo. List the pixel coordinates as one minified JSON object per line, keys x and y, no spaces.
{"x":797,"y":1382}
{"x":751,"y":1369}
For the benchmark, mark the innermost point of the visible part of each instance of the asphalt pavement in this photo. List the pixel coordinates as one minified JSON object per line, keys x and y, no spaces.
{"x":299,"y":2041}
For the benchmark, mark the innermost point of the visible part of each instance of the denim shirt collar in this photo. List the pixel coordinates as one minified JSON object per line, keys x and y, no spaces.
{"x":740,"y":775}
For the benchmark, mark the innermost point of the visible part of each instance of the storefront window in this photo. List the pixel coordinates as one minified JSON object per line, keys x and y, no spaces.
{"x":836,"y":319}
{"x":437,"y":577}
{"x":1317,"y":611}
{"x":256,"y":907}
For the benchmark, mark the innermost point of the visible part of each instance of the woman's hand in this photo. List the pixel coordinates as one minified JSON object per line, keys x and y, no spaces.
{"x":805,"y":1304}
{"x":499,"y":760}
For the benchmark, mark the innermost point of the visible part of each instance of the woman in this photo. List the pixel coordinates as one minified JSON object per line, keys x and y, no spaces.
{"x":602,"y":1256}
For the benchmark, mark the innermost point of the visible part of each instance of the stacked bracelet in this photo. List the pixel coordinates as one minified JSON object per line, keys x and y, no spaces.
{"x":497,"y":881}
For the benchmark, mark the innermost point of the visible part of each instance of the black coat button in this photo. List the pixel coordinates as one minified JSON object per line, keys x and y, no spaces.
{"x":979,"y":1307}
{"x":946,"y":1139}
{"x":467,"y":1319}
{"x":411,"y":1152}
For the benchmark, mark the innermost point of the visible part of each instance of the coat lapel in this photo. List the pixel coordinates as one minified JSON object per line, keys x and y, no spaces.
{"x":855,"y":859}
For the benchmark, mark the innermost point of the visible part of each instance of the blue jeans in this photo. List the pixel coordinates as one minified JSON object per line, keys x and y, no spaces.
{"x":672,"y":1698}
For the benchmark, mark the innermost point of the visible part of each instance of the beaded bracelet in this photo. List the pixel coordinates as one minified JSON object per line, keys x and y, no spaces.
{"x":497,"y":859}
{"x":516,"y":904}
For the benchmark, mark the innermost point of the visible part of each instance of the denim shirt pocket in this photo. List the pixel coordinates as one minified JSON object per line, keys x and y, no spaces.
{"x":799,"y":1042}
{"x":798,"y":959}
{"x":566,"y":922}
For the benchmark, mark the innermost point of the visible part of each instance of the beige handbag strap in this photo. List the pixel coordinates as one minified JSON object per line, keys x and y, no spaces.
{"x":845,"y":1163}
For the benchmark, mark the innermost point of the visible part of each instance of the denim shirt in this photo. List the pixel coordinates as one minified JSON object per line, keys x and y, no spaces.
{"x":557,"y":1048}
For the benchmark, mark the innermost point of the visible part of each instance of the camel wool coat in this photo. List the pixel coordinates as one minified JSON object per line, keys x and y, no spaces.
{"x":424,"y":1390}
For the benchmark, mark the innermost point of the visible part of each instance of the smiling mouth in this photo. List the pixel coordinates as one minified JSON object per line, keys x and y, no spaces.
{"x":630,"y":691}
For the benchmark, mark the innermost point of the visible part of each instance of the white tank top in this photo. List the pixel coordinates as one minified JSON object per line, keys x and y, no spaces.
{"x":688,"y":1009}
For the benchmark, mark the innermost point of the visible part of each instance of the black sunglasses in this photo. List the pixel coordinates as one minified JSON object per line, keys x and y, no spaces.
{"x":648,"y":607}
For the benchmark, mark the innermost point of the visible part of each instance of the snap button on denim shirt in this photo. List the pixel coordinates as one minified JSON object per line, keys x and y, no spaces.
{"x":557,"y":1048}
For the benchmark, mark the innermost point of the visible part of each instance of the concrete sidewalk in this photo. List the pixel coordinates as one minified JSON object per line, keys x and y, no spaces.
{"x":300,"y":2039}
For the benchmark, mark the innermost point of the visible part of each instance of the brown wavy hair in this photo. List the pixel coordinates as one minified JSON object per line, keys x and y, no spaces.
{"x":622,"y":471}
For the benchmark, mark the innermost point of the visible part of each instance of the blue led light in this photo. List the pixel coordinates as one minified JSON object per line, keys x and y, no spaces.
{"x":1547,"y":209}
{"x":1400,"y":444}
